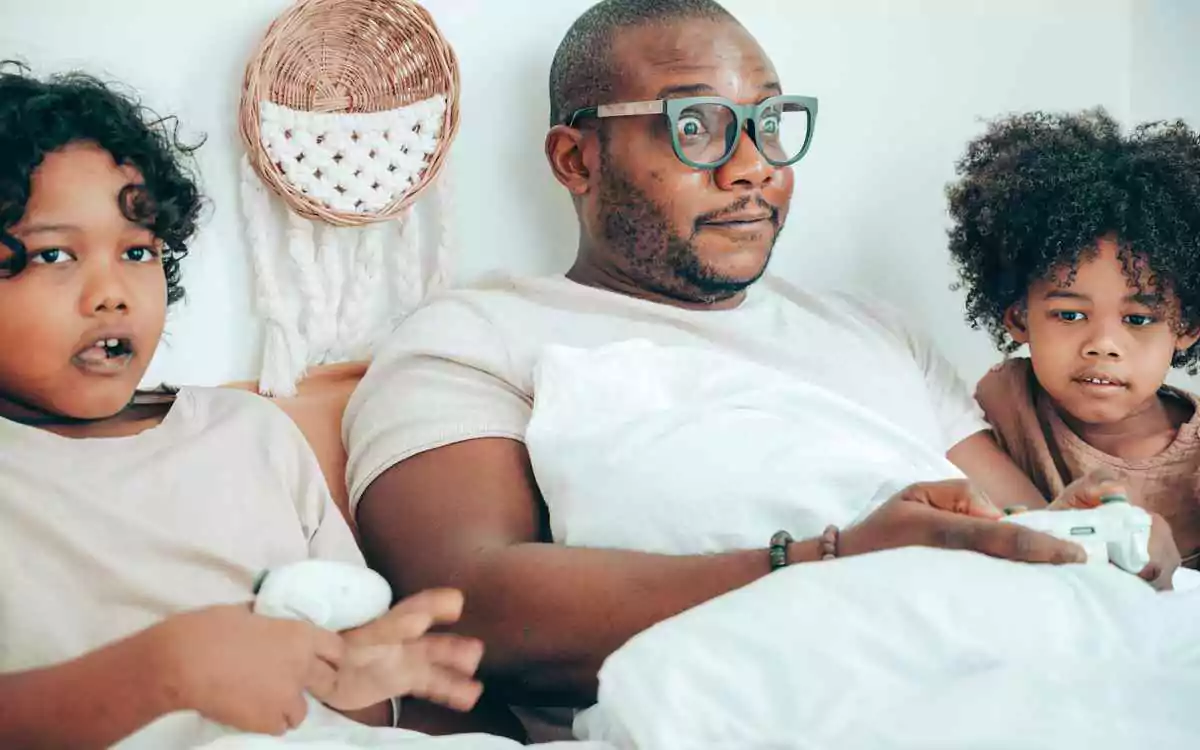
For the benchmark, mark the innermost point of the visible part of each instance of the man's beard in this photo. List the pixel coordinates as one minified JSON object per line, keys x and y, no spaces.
{"x":654,"y":255}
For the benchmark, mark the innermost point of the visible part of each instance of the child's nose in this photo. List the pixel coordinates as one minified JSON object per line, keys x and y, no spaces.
{"x":104,"y":293}
{"x":1103,"y":344}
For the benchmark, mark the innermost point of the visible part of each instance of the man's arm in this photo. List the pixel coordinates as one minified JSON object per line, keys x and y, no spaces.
{"x":92,"y":701}
{"x":469,"y":516}
{"x":992,"y":470}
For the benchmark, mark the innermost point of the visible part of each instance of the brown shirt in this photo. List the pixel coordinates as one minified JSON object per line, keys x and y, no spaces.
{"x":1030,"y":430}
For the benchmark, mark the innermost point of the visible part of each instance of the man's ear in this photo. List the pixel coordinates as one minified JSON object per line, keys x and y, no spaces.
{"x":1016,"y":320}
{"x":565,"y":152}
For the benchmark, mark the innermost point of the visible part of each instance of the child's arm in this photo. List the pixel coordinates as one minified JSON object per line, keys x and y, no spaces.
{"x":992,"y":470}
{"x":92,"y":701}
{"x":229,"y":665}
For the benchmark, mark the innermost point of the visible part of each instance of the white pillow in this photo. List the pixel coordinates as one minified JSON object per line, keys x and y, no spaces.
{"x":685,"y":450}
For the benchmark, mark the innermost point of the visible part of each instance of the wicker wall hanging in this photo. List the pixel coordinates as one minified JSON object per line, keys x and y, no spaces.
{"x":348,"y":110}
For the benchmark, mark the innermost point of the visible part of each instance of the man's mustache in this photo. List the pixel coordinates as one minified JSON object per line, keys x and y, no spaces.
{"x":739,"y":206}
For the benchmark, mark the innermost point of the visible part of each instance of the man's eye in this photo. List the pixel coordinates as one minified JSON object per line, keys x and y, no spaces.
{"x":1139,"y":321}
{"x":1069,"y":316}
{"x":690,"y":126}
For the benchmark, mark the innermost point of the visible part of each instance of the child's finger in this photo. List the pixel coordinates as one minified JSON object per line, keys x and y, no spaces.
{"x":443,"y":605}
{"x":1092,"y":489}
{"x":448,"y":688}
{"x":449,"y":651}
{"x":321,"y":680}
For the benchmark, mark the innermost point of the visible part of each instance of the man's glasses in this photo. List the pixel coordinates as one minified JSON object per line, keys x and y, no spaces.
{"x":705,"y":129}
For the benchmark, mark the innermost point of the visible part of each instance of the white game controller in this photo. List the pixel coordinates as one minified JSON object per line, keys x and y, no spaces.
{"x":1115,"y":532}
{"x":332,"y":595}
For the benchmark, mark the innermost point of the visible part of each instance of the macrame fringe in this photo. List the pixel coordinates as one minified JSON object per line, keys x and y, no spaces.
{"x":443,"y":270}
{"x":282,"y":341}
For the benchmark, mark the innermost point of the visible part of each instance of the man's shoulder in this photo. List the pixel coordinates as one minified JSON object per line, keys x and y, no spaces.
{"x":496,"y":300}
{"x":854,"y":310}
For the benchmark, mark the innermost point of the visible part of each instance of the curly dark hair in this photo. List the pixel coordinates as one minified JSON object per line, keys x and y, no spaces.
{"x":38,"y":117}
{"x":1038,"y":190}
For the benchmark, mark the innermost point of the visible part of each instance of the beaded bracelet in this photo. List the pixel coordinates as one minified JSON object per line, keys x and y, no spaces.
{"x":781,"y":539}
{"x":829,"y":542}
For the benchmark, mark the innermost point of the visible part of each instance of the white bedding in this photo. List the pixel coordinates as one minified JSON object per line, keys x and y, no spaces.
{"x":325,"y":729}
{"x":682,"y":451}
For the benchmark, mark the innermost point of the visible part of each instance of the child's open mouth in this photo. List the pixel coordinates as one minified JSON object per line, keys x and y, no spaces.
{"x":106,"y":356}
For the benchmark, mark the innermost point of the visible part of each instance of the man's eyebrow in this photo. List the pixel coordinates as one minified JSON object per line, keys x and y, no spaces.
{"x":685,"y":89}
{"x":703,"y":89}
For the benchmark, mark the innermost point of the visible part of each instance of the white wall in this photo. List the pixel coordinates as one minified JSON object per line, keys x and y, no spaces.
{"x":903,"y":85}
{"x":1166,"y":60}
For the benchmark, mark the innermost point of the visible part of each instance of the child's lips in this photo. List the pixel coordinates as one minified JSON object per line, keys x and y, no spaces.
{"x":1100,"y":381}
{"x":100,"y":360}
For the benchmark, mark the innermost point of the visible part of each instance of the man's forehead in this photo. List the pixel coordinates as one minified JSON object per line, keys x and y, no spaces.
{"x":719,"y":55}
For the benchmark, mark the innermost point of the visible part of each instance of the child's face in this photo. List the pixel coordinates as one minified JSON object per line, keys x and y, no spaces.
{"x":94,"y":279}
{"x":1100,"y":346}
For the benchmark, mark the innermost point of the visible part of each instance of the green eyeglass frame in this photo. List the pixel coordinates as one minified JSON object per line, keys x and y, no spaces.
{"x":743,"y":115}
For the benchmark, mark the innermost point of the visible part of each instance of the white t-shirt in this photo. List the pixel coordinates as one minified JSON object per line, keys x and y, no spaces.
{"x":100,"y":538}
{"x":462,"y":367}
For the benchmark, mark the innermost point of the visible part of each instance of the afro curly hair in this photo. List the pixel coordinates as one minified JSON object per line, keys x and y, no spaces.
{"x":39,"y":117}
{"x":1037,"y":190}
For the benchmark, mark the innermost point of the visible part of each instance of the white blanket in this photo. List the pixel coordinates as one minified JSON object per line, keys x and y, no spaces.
{"x":683,"y":451}
{"x":325,"y":729}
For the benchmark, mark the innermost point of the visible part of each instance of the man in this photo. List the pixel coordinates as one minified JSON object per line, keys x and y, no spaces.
{"x":678,"y":209}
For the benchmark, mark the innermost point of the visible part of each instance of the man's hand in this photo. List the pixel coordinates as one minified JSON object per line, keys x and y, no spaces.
{"x":953,"y":515}
{"x":395,"y":655}
{"x":241,"y":669}
{"x":1101,"y":484}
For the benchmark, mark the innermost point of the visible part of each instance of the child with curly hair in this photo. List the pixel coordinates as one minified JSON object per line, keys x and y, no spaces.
{"x":133,"y":526}
{"x":1084,"y":244}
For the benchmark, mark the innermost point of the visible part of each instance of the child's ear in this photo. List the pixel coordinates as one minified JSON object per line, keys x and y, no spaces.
{"x":1185,"y":342}
{"x":1015,"y":318}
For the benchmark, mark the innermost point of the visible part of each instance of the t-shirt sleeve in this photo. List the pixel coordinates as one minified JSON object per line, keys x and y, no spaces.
{"x":325,"y":528}
{"x":958,"y":415}
{"x":444,"y":377}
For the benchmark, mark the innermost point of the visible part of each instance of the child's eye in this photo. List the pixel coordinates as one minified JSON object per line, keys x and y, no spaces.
{"x":1069,"y":316}
{"x":51,"y":257}
{"x":1139,"y":321}
{"x":141,"y":254}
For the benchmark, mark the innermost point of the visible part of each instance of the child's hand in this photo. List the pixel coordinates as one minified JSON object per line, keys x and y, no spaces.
{"x":243,"y":670}
{"x":1089,"y":491}
{"x":395,"y":656}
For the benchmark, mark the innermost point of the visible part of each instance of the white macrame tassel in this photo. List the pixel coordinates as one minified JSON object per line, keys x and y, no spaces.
{"x":443,"y":270}
{"x":333,"y":245}
{"x":281,"y":336}
{"x":407,"y":286}
{"x":302,"y":249}
{"x":356,"y":329}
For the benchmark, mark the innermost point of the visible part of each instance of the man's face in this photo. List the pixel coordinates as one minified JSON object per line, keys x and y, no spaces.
{"x":690,"y":234}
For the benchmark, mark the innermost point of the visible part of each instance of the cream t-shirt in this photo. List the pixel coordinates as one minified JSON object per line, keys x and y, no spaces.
{"x":462,"y":366}
{"x":100,"y":538}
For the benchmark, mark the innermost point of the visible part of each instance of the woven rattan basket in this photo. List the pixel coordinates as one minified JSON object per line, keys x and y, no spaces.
{"x":349,"y":56}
